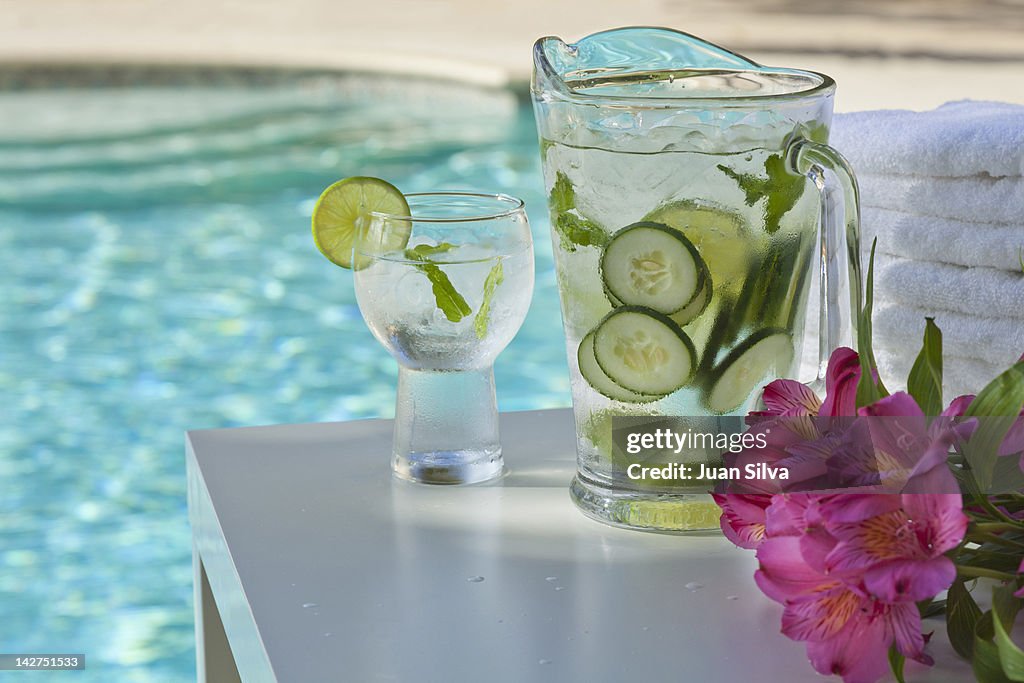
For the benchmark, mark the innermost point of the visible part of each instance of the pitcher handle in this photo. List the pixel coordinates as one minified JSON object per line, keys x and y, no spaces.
{"x":839,"y":234}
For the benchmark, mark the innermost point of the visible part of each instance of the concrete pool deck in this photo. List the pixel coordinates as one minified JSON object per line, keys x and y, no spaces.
{"x":914,"y":55}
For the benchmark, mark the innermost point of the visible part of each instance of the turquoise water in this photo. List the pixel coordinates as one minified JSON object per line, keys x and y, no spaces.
{"x":157,"y":274}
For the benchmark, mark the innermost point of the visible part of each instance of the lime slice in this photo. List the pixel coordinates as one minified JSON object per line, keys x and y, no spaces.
{"x":343,"y":210}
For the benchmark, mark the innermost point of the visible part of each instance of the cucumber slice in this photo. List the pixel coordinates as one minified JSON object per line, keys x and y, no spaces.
{"x":644,"y":351}
{"x":652,"y":265}
{"x":721,"y":236}
{"x":601,"y":382}
{"x":765,"y":353}
{"x":692,"y":310}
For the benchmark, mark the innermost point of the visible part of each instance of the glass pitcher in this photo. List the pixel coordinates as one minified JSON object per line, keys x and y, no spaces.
{"x":691,"y":191}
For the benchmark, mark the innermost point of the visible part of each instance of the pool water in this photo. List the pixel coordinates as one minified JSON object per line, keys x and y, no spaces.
{"x":157,"y":274}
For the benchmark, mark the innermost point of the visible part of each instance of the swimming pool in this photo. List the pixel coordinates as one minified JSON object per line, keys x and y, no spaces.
{"x":157,"y":274}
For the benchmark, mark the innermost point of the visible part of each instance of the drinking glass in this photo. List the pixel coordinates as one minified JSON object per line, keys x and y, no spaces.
{"x":445,"y":306}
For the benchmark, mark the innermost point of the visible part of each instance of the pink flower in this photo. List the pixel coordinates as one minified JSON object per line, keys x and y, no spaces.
{"x":743,"y":517}
{"x":848,"y":632}
{"x":848,"y":568}
{"x":896,"y":543}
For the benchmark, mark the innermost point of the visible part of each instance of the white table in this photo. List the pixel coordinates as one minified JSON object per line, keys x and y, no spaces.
{"x":314,"y":565}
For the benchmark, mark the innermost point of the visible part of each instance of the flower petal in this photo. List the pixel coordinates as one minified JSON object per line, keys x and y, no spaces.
{"x":841,"y":383}
{"x":910,"y":580}
{"x":822,"y":615}
{"x":939,"y":520}
{"x":789,"y":397}
{"x":783,"y":575}
{"x":859,"y":654}
{"x":743,"y":518}
{"x":904,"y":621}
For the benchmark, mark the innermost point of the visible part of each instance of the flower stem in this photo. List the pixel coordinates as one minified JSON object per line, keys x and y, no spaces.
{"x":995,"y":527}
{"x":982,"y":573}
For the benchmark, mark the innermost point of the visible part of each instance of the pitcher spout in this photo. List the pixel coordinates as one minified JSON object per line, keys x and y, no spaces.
{"x":623,"y":51}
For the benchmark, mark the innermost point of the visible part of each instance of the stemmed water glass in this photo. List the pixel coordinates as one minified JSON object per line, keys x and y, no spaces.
{"x":445,"y":304}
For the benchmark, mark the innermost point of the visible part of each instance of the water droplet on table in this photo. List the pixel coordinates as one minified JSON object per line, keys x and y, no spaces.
{"x":328,"y":634}
{"x":732,"y":597}
{"x":646,"y":628}
{"x":307,"y":605}
{"x":559,"y":588}
{"x":551,"y":578}
{"x":475,"y":579}
{"x":693,"y":586}
{"x":543,"y":661}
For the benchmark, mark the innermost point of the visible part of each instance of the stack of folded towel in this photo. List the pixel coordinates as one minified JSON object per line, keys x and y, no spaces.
{"x":943,"y":191}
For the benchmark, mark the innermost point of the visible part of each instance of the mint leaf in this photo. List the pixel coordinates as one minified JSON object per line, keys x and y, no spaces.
{"x":815,"y":131}
{"x":563,"y":196}
{"x":781,"y":189}
{"x":420,"y":251}
{"x":483,"y":314}
{"x":925,"y":381}
{"x":573,"y":229}
{"x":448,"y":299}
{"x":753,"y":187}
{"x":784,"y":191}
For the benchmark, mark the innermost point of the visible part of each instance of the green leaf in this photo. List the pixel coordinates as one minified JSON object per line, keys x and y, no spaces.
{"x":563,"y":195}
{"x":573,"y":229}
{"x":1007,"y":476}
{"x":448,"y":299}
{"x":896,"y":662}
{"x":869,"y":389}
{"x":1000,"y":403}
{"x":483,"y":314}
{"x":931,"y":608}
{"x":1004,"y":611}
{"x":576,"y":231}
{"x":985,"y":659}
{"x":985,"y":663}
{"x":421,"y":252}
{"x":781,"y":189}
{"x":816,"y":131}
{"x":962,"y":615}
{"x":925,"y":381}
{"x":784,"y":191}
{"x":752,"y":187}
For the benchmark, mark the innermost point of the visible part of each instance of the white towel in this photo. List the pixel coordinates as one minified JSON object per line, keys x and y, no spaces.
{"x":999,"y":341}
{"x":941,"y":240}
{"x":958,"y":139}
{"x":975,"y":292}
{"x":978,"y":199}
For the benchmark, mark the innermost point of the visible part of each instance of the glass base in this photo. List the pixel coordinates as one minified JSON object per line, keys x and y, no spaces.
{"x":691,"y":514}
{"x":449,"y":467}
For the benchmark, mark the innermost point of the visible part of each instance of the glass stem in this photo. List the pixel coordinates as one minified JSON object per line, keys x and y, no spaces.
{"x":436,"y":409}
